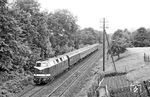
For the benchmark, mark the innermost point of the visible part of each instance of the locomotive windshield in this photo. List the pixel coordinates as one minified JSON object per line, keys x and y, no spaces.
{"x":38,"y":64}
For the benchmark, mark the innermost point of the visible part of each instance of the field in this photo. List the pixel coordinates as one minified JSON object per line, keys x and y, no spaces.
{"x":141,"y":70}
{"x":132,"y":62}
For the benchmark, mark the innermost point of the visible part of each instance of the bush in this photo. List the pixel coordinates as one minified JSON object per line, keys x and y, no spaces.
{"x":13,"y":86}
{"x":14,"y":82}
{"x":93,"y":92}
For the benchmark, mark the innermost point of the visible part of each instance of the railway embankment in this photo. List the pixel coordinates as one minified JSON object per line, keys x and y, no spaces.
{"x":132,"y":73}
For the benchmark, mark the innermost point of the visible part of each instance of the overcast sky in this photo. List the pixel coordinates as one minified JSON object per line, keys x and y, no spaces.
{"x":119,"y":14}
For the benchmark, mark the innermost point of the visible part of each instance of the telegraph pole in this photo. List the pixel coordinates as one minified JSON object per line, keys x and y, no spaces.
{"x":110,"y":53}
{"x":105,"y":35}
{"x":104,"y":44}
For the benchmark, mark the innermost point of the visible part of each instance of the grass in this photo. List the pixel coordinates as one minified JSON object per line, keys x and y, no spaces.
{"x":131,"y":64}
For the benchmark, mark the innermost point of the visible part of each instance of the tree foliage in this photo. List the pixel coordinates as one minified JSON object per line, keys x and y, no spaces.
{"x":62,"y":26}
{"x":88,"y":36}
{"x":124,"y":38}
{"x":118,"y":43}
{"x":28,"y":34}
{"x":11,"y":48}
{"x":140,"y":37}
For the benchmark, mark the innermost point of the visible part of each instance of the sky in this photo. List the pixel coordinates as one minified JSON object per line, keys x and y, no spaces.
{"x":119,"y":14}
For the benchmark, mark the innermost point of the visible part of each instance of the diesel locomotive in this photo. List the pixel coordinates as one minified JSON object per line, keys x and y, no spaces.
{"x":46,"y":70}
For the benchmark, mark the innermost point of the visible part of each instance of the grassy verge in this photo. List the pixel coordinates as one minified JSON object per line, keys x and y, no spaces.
{"x":131,"y":63}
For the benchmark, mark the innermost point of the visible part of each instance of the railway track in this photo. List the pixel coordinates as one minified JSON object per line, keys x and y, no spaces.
{"x":60,"y":90}
{"x":75,"y":87}
{"x":54,"y":88}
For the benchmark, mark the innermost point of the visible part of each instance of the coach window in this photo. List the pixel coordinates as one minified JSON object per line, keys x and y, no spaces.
{"x":54,"y":62}
{"x":61,"y":59}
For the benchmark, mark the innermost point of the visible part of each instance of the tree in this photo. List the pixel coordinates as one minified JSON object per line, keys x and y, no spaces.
{"x":140,"y":36}
{"x":62,"y":26}
{"x":43,"y":38}
{"x":28,"y":6}
{"x":35,"y":32}
{"x":128,"y":37}
{"x":118,"y":44}
{"x":12,"y":51}
{"x":148,"y":37}
{"x":88,"y":36}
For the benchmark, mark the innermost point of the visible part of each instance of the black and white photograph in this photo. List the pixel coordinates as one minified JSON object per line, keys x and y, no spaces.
{"x":74,"y":48}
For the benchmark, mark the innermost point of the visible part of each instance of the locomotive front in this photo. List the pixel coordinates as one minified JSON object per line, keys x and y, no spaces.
{"x":41,"y":74}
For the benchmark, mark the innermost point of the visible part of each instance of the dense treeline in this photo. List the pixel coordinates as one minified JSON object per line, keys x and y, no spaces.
{"x":141,"y":37}
{"x":28,"y":34}
{"x":88,"y":36}
{"x":121,"y":39}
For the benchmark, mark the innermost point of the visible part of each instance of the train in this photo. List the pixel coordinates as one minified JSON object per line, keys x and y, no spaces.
{"x":47,"y":70}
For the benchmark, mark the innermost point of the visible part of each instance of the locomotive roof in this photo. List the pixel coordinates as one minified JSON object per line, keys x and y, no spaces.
{"x":51,"y":62}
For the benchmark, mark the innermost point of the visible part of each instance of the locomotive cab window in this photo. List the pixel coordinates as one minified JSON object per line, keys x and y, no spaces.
{"x":38,"y":64}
